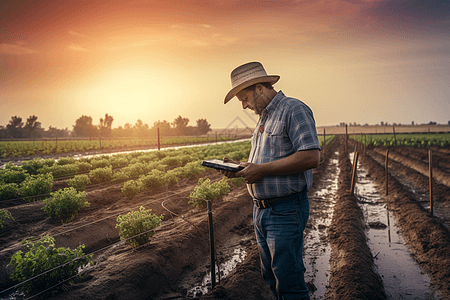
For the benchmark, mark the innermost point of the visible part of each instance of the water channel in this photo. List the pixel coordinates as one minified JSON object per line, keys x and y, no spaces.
{"x":401,"y":275}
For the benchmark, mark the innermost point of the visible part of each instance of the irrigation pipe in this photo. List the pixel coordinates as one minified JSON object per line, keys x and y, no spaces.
{"x":116,"y":243}
{"x":91,"y":253}
{"x":115,"y":215}
{"x":213,"y":278}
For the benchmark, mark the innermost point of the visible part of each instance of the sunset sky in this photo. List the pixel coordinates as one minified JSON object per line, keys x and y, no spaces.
{"x":362,"y":61}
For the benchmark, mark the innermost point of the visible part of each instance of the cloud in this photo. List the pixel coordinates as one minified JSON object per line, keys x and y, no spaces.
{"x":77,"y":48}
{"x":198,"y":43}
{"x":77,"y":34}
{"x":413,"y":11}
{"x":15,"y":49}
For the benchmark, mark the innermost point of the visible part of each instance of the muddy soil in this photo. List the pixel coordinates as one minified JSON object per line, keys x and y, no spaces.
{"x":179,"y":251}
{"x":425,"y":234}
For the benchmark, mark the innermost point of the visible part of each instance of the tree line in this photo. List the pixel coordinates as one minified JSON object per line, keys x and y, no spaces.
{"x":84,"y":127}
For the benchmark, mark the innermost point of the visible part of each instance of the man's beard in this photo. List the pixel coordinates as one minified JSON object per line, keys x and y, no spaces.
{"x":257,"y":109}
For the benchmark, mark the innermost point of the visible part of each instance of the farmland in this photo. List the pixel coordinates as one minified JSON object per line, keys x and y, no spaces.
{"x":54,"y":146}
{"x":339,"y":232}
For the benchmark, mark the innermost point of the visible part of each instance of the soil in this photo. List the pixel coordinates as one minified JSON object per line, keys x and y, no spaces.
{"x":179,"y":251}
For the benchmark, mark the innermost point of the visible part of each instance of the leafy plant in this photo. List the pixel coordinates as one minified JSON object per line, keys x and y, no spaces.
{"x":36,"y":185}
{"x":42,"y":255}
{"x":207,"y":191}
{"x":137,"y":226}
{"x":79,"y":182}
{"x":238,"y":181}
{"x":60,"y":170}
{"x":66,"y":161}
{"x":13,"y":175}
{"x":4,"y":215}
{"x":101,"y":174}
{"x":64,"y":204}
{"x":8,"y":191}
{"x":153,"y":180}
{"x":131,"y":188}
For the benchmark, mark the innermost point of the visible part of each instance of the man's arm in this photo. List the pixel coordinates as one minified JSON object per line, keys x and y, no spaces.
{"x":295,"y":163}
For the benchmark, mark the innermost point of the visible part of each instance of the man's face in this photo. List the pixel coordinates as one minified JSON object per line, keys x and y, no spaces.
{"x":252,"y":100}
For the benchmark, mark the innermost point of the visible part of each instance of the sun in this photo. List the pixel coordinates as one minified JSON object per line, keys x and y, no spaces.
{"x":129,"y":93}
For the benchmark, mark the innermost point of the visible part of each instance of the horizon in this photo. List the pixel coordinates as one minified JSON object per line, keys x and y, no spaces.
{"x":363,"y":61}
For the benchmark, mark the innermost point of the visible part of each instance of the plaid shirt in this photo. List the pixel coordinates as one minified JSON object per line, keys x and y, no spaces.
{"x":285,"y":126}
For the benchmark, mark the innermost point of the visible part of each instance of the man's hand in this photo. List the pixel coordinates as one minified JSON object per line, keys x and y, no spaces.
{"x":251,"y":172}
{"x":227,"y":173}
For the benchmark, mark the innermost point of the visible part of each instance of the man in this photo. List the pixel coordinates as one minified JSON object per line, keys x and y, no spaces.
{"x":285,"y":148}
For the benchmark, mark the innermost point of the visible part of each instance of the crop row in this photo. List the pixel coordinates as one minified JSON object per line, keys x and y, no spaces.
{"x":411,"y":140}
{"x":22,"y":148}
{"x":44,"y":265}
{"x":35,"y":177}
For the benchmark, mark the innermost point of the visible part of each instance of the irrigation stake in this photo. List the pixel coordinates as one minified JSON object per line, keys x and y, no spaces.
{"x":159,"y":144}
{"x":386,"y":170}
{"x":430,"y":163}
{"x":355,"y":163}
{"x":389,"y":227}
{"x":211,"y":242}
{"x":324,"y":140}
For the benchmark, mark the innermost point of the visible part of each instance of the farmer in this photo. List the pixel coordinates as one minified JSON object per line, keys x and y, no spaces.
{"x":285,"y":148}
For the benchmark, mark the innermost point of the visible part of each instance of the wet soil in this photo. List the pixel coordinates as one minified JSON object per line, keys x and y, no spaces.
{"x":179,"y":251}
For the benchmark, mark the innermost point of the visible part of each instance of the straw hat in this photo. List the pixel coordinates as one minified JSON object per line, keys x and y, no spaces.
{"x":247,"y":75}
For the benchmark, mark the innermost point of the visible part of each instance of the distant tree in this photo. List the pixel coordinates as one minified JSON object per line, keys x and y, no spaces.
{"x":140,"y":128}
{"x":32,"y":127}
{"x":15,"y":126}
{"x":84,"y":127}
{"x":203,"y":127}
{"x":105,"y":126}
{"x":55,"y":132}
{"x":180,"y":125}
{"x":164,"y":127}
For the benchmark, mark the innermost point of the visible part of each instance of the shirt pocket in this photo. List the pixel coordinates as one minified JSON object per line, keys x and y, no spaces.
{"x":277,"y":143}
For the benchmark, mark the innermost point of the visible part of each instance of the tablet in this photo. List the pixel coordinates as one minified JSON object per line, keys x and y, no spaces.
{"x":220,"y":165}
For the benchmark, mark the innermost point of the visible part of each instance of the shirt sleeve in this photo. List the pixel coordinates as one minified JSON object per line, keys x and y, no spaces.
{"x":302,"y":127}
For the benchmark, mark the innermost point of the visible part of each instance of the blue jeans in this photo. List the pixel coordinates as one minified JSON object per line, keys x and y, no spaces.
{"x":279,"y":232}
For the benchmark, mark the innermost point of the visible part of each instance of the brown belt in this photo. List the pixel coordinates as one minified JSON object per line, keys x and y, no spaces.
{"x":268,"y":203}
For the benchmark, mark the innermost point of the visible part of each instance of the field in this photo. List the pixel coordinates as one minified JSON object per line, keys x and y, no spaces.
{"x":344,"y":234}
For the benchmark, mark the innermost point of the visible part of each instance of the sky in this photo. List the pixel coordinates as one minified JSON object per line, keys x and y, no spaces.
{"x":363,"y":61}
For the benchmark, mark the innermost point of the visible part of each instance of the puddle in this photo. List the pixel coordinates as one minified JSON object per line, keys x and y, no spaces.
{"x":316,"y":247}
{"x":402,"y":277}
{"x":423,"y":198}
{"x":239,"y":254}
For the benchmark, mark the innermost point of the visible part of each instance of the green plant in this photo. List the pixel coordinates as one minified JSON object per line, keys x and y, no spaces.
{"x":8,"y":191}
{"x":84,"y":166}
{"x":153,"y":180}
{"x":137,"y":226}
{"x":60,"y":170}
{"x":13,"y":175}
{"x":42,"y":255}
{"x":36,"y":185}
{"x":66,"y":161}
{"x":131,"y":188}
{"x":64,"y":204}
{"x":79,"y":182}
{"x":4,"y":215}
{"x":238,"y":181}
{"x":207,"y":191}
{"x":101,"y":174}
